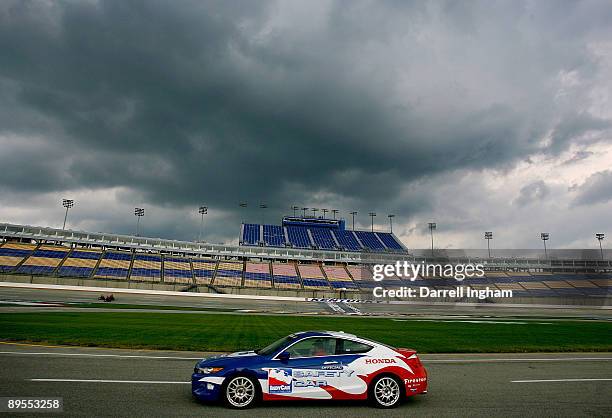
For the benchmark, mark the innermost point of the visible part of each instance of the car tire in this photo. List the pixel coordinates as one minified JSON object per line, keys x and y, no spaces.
{"x":385,"y":392}
{"x":240,"y":392}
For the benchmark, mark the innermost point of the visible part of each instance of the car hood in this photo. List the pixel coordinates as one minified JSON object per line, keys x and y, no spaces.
{"x":225,"y":359}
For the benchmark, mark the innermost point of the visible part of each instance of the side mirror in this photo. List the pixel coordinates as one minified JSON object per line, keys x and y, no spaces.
{"x":284,"y":356}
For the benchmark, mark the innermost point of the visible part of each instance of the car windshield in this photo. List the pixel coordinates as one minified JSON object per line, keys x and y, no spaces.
{"x":272,"y":348}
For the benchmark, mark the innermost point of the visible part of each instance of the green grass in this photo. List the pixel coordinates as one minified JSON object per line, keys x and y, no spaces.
{"x":223,"y":332}
{"x":103,"y":305}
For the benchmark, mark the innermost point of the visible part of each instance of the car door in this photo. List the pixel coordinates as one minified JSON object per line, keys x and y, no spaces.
{"x":307,"y":364}
{"x":349,"y":359}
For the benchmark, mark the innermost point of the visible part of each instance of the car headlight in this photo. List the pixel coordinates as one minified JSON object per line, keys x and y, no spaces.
{"x":207,"y":370}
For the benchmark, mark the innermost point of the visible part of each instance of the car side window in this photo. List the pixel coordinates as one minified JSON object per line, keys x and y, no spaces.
{"x":352,"y":347}
{"x":313,"y":347}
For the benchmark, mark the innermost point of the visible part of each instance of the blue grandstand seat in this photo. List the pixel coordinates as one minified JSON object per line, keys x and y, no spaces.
{"x":369,"y":240}
{"x":287,"y":280}
{"x":72,"y":271}
{"x":49,"y":254}
{"x":12,"y":256}
{"x":347,"y":240}
{"x":274,"y":235}
{"x":80,"y":263}
{"x":177,"y":273}
{"x":12,"y":252}
{"x":203,"y":273}
{"x":114,"y":265}
{"x":147,"y":257}
{"x":364,"y":284}
{"x":35,"y":269}
{"x":118,"y":256}
{"x":85,"y":255}
{"x":112,"y":272}
{"x":44,"y":260}
{"x":250,"y":234}
{"x":229,"y":273}
{"x":315,"y":283}
{"x":323,"y":238}
{"x":298,"y":236}
{"x":145,"y":272}
{"x":389,"y":240}
{"x":257,"y":276}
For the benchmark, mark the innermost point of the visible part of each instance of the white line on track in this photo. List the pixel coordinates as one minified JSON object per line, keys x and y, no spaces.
{"x":560,"y":380}
{"x":24,"y":353}
{"x":153,"y":382}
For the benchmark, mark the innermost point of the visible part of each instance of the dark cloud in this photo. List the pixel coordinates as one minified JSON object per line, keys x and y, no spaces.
{"x":333,"y":104}
{"x":596,"y":189}
{"x":578,"y":156}
{"x":532,"y":193}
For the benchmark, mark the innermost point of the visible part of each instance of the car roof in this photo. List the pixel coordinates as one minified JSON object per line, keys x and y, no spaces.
{"x":337,"y":334}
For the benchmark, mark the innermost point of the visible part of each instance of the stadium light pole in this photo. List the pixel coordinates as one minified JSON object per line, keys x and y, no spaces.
{"x":545,"y":236}
{"x":432,"y":227}
{"x":262,"y":206}
{"x":372,"y":215}
{"x":334,"y":211}
{"x":314,"y":212}
{"x":304,"y":210}
{"x":324,"y":212}
{"x":203,"y":210}
{"x":244,"y":206}
{"x":139,"y":212}
{"x":67,"y":203}
{"x":353,"y":213}
{"x":391,"y":222}
{"x":295,"y":209}
{"x":600,"y":238}
{"x":488,"y":236}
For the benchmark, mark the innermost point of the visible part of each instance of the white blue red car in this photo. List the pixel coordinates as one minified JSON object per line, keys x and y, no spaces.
{"x":312,"y":365}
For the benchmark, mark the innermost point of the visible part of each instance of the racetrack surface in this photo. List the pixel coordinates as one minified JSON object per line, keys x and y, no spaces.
{"x":449,"y":310}
{"x":150,"y":383}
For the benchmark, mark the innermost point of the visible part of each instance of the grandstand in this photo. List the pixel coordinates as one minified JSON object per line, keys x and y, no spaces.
{"x":318,"y":234}
{"x":30,"y":253}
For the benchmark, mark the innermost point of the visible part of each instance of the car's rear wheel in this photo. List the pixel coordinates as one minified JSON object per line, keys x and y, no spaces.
{"x":240,"y":392}
{"x":385,"y":392}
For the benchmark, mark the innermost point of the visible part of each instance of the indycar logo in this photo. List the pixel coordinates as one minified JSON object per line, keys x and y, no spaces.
{"x":280,"y":380}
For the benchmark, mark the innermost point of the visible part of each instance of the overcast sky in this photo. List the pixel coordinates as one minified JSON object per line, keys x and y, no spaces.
{"x":481,"y":116}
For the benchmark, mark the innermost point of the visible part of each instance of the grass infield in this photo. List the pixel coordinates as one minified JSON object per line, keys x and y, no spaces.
{"x":223,"y":332}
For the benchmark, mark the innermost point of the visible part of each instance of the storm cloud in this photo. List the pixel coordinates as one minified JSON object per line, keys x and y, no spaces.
{"x":350,"y":105}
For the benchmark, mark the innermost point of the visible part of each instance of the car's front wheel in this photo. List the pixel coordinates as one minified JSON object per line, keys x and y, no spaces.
{"x":240,"y":392}
{"x":385,"y":392}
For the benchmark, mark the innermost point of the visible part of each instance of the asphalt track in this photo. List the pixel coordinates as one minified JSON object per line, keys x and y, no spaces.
{"x":448,"y":310}
{"x":107,"y":382}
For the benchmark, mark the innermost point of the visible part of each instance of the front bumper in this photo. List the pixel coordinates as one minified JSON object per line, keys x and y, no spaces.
{"x":205,"y":387}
